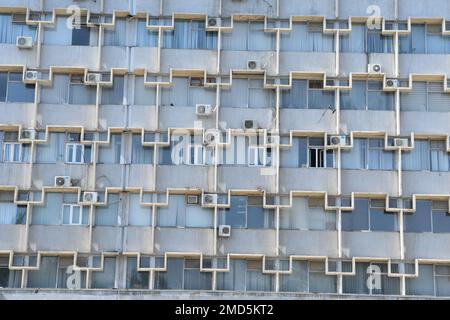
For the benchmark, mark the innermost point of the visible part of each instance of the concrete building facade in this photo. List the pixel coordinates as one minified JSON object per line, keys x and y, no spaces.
{"x":240,"y":147}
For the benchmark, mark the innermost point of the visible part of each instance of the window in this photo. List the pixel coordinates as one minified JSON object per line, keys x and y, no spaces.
{"x":357,"y":284}
{"x":378,"y":43}
{"x":183,"y":274}
{"x":318,"y":156}
{"x":13,"y":26}
{"x":12,"y":152}
{"x":114,"y":95}
{"x":194,"y":279}
{"x":257,"y":156}
{"x":74,"y":214}
{"x":297,"y":281}
{"x":247,"y":93}
{"x":430,"y":216}
{"x":318,"y":98}
{"x":11,"y":213}
{"x":180,"y":214}
{"x":139,"y":153}
{"x":79,"y":93}
{"x":105,"y":279}
{"x":81,"y":36}
{"x":248,"y":36}
{"x":424,"y":284}
{"x":367,"y":95}
{"x":190,"y":34}
{"x":117,"y":36}
{"x":355,"y":41}
{"x":12,"y":88}
{"x":368,"y":154}
{"x":245,"y":275}
{"x":307,"y":213}
{"x":369,"y":215}
{"x":136,"y":279}
{"x":308,"y":94}
{"x":145,"y":37}
{"x":307,"y":37}
{"x":247,"y":212}
{"x":319,"y":282}
{"x":108,"y":215}
{"x":429,"y":155}
{"x":425,"y":38}
{"x":111,"y":153}
{"x":77,"y":153}
{"x":442,"y":280}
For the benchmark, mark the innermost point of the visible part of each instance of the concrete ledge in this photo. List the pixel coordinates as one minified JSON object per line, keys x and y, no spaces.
{"x":113,"y":294}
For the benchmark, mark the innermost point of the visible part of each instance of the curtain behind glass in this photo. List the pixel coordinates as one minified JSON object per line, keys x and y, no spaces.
{"x":174,"y":215}
{"x":146,"y":38}
{"x":355,"y":158}
{"x":296,"y":97}
{"x":108,"y":215}
{"x":59,"y":34}
{"x":377,"y":43}
{"x":117,"y":36}
{"x":105,"y":279}
{"x":50,"y":212}
{"x":9,"y":31}
{"x":114,"y":95}
{"x":233,"y":280}
{"x":356,"y":40}
{"x":45,"y":277}
{"x":138,"y":215}
{"x":297,"y":281}
{"x":139,"y":153}
{"x":418,"y":158}
{"x":8,"y":213}
{"x":424,"y":284}
{"x":136,"y":279}
{"x":354,"y":99}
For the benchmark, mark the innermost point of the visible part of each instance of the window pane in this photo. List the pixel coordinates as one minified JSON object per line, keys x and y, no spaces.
{"x":3,"y":84}
{"x":419,"y":221}
{"x":441,"y":221}
{"x":382,"y":221}
{"x":80,"y":37}
{"x":20,"y":92}
{"x":358,"y":219}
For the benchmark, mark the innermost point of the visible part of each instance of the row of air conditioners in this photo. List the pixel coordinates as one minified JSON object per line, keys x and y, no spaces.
{"x":375,"y":68}
{"x":66,"y":181}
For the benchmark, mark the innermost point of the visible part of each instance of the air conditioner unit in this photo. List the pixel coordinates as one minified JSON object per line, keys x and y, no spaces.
{"x":391,"y":83}
{"x":203,"y":109}
{"x":250,"y":124}
{"x":400,"y":142}
{"x":63,"y":181}
{"x":91,"y":197}
{"x":272,"y":139}
{"x":92,"y":78}
{"x":374,"y":68}
{"x":209,"y":199}
{"x":31,"y":76}
{"x":214,"y":22}
{"x":211,"y":138}
{"x":338,"y":140}
{"x":24,"y":42}
{"x":192,"y":199}
{"x":253,"y":65}
{"x":224,"y":230}
{"x":28,"y":134}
